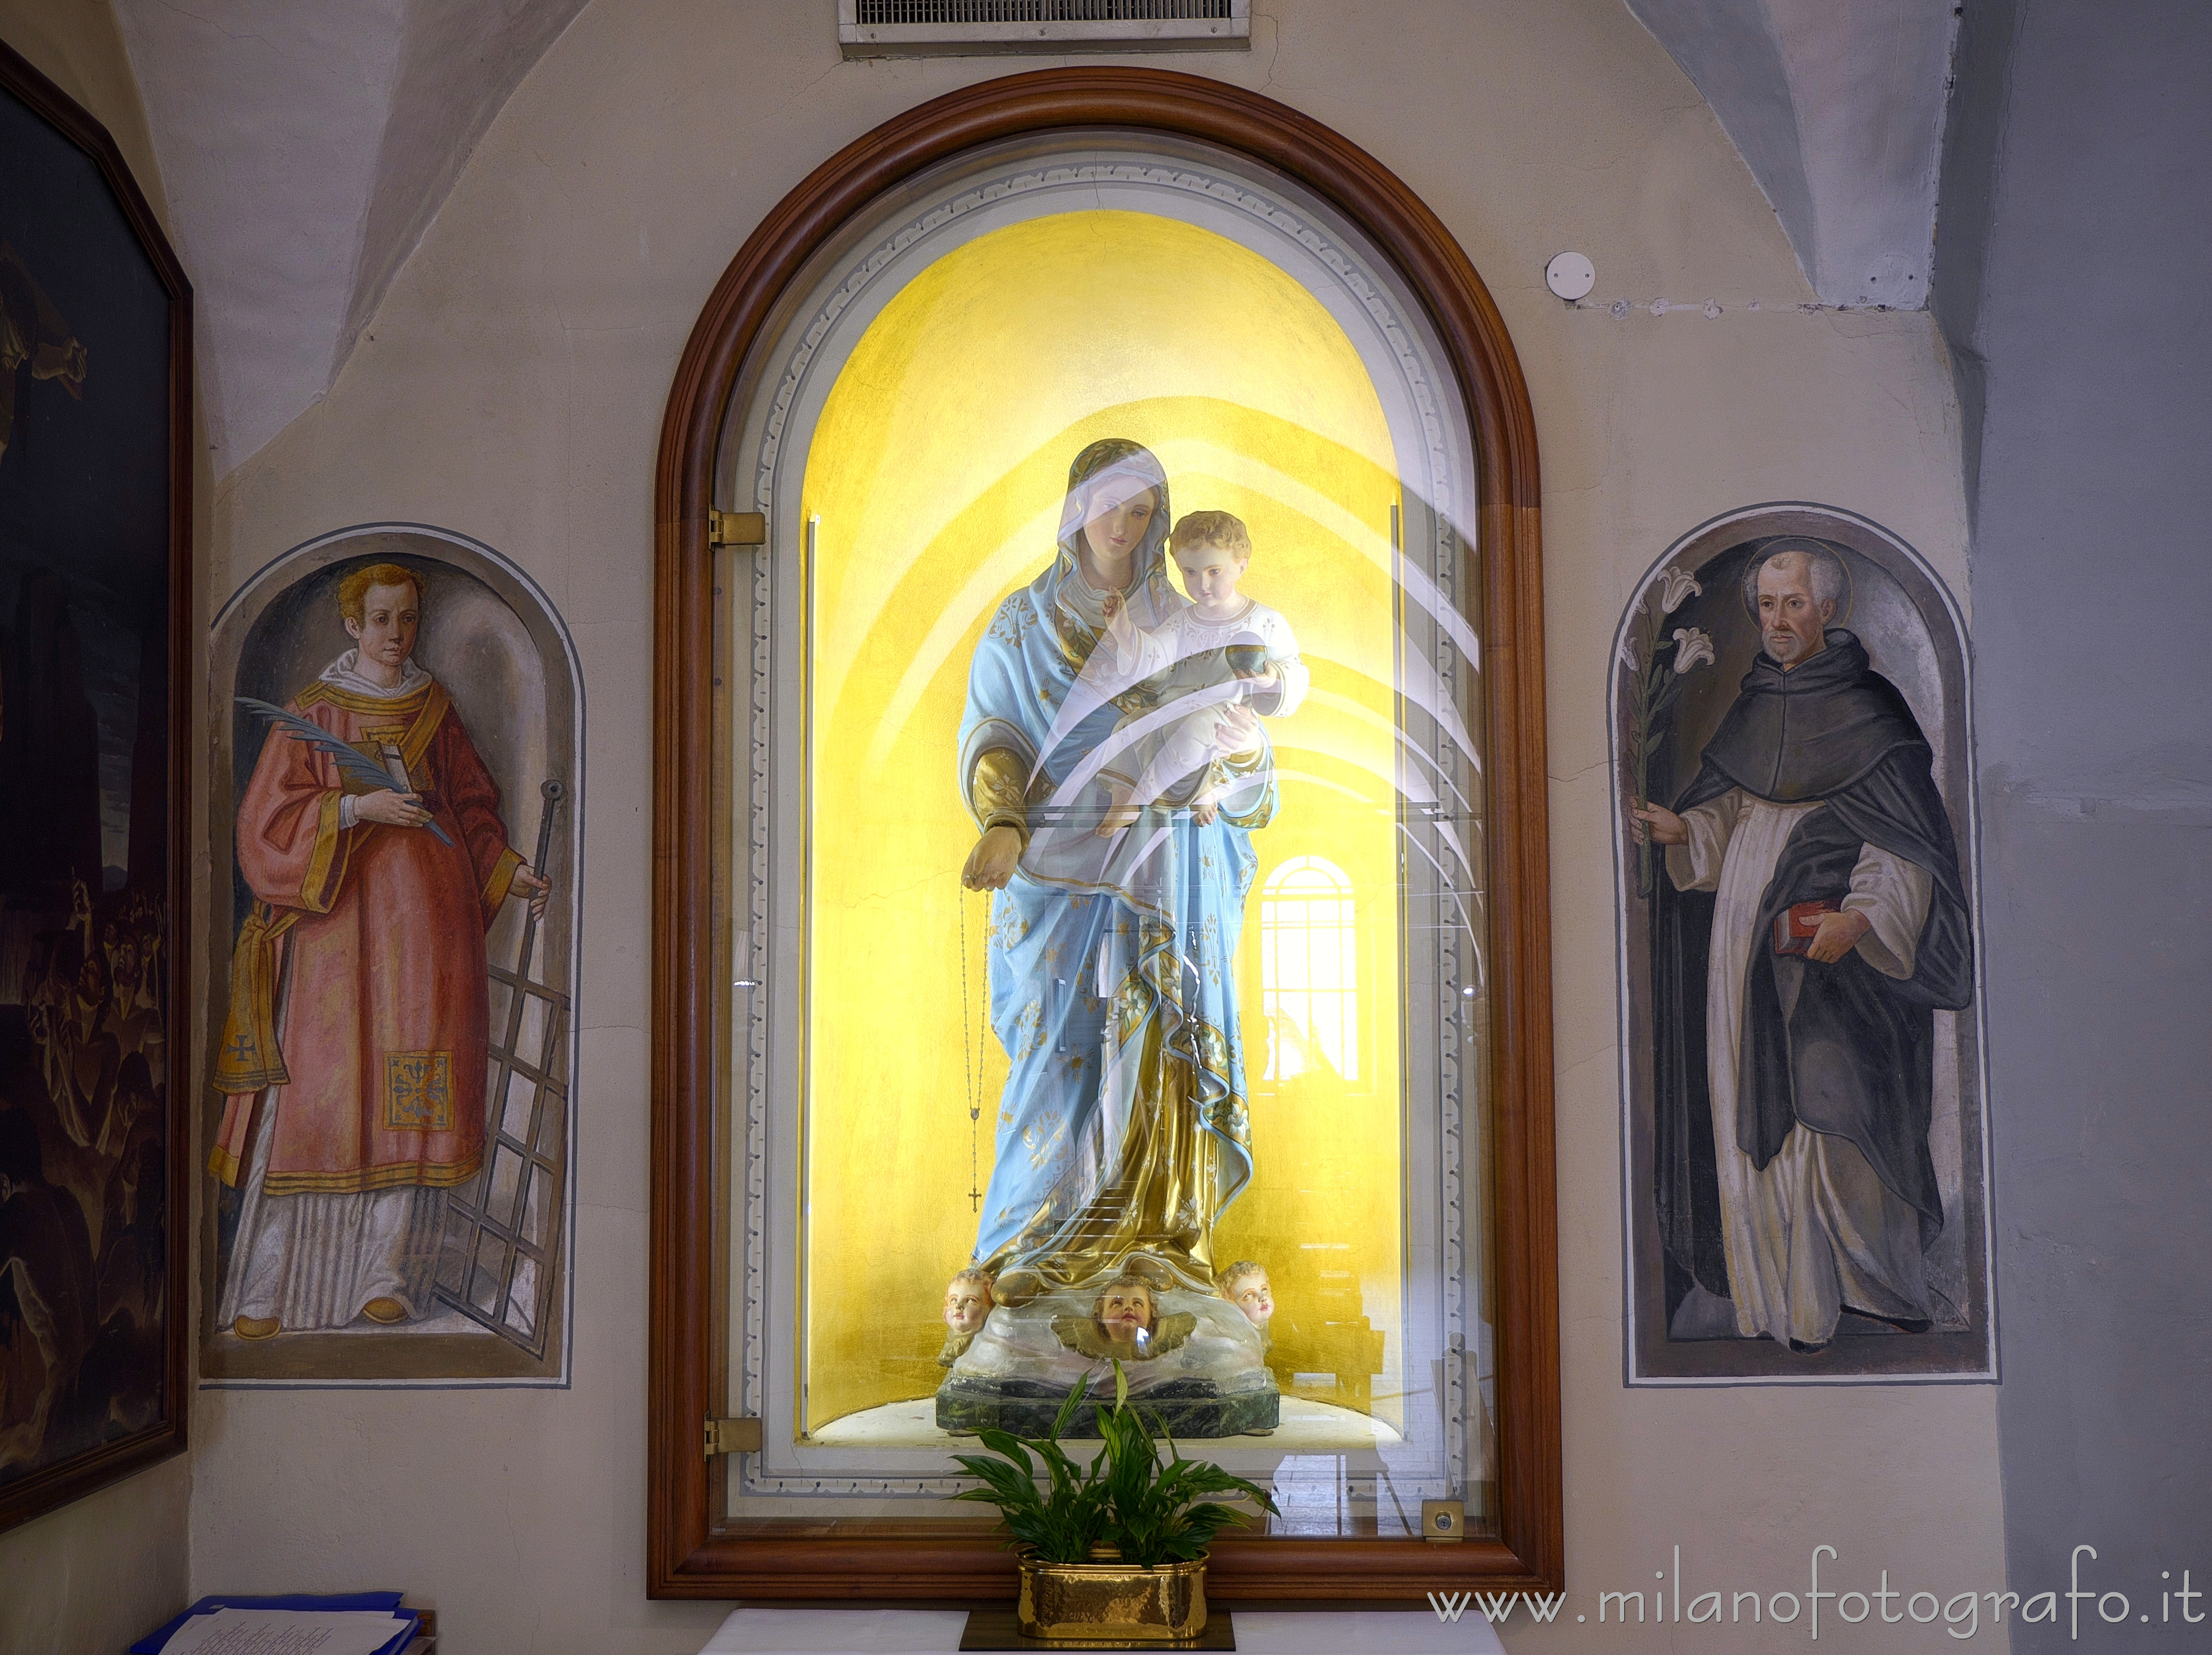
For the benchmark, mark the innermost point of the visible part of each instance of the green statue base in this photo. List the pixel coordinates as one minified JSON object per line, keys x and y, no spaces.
{"x":1197,"y":1361}
{"x":1186,"y":1408}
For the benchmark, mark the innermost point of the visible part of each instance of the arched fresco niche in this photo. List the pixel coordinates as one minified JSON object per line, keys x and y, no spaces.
{"x":395,"y":828}
{"x":1803,"y":1096}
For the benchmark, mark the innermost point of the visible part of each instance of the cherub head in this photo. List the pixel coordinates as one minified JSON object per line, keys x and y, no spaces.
{"x":968,"y":1301}
{"x":1124,"y":1310}
{"x":1245,"y":1286}
{"x":1211,"y":550}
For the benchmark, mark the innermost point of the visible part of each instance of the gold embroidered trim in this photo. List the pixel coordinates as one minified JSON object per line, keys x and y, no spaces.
{"x":249,"y":1058}
{"x":418,"y":1091}
{"x":317,"y":880}
{"x":426,"y":707}
{"x":367,"y":706}
{"x":417,"y":743}
{"x":398,"y":1176}
{"x":502,"y":880}
{"x":1263,"y":812}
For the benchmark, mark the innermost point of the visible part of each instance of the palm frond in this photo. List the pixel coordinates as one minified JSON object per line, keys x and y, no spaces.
{"x":355,"y":766}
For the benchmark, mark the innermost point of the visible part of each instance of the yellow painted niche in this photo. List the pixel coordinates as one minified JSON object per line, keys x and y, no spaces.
{"x":937,"y":471}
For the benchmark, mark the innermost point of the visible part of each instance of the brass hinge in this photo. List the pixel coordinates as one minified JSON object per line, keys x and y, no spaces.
{"x":736,"y":528}
{"x":740,"y":1436}
{"x":1443,"y":1521}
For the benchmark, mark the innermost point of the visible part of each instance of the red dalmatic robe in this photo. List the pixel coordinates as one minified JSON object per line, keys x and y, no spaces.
{"x":378,"y":933}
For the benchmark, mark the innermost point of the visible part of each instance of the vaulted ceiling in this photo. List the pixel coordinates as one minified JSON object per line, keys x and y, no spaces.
{"x":306,"y":145}
{"x":1837,"y":108}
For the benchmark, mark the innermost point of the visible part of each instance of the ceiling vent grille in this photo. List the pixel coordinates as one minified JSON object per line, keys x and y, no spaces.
{"x":892,"y":28}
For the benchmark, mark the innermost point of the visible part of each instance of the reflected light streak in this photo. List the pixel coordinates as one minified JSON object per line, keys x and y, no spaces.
{"x":1136,"y":729}
{"x":1425,"y":687}
{"x":1307,"y":778}
{"x":979,"y":597}
{"x":1120,"y":739}
{"x":1332,"y":518}
{"x":1343,"y":703}
{"x":1466,"y":922}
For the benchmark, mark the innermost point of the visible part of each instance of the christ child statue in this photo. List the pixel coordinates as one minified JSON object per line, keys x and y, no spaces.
{"x":1227,"y":656}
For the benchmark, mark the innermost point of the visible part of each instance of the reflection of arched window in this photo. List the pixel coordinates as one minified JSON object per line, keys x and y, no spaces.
{"x":1309,"y":978}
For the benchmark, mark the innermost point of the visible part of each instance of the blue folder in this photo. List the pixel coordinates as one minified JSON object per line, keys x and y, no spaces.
{"x":409,"y":1621}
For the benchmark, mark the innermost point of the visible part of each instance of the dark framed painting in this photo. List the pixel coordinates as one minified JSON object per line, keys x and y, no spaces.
{"x":1804,"y":1116}
{"x":95,"y":599}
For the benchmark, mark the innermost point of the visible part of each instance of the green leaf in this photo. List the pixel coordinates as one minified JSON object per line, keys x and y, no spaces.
{"x":1006,"y":1487}
{"x":1149,"y":1501}
{"x":1067,"y":1408}
{"x":1005,"y":1442}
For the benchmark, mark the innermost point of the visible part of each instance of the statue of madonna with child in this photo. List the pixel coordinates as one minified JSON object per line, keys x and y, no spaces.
{"x":1115,"y":758}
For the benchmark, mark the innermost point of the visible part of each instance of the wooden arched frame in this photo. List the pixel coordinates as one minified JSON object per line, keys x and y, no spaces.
{"x":691,"y":1556}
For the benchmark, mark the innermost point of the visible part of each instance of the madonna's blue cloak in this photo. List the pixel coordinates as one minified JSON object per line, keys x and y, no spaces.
{"x":1123,"y":1130}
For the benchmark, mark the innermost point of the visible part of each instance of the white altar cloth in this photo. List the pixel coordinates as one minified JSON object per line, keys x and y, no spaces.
{"x":937,"y":1632}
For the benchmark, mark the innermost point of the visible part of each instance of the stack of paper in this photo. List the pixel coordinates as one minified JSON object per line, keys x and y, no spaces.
{"x":286,"y":1632}
{"x":364,"y":1623}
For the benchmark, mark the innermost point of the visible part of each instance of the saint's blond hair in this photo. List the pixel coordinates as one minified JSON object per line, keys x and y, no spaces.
{"x":353,"y":590}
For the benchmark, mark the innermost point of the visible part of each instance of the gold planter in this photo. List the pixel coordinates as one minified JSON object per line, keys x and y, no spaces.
{"x":1107,"y":1600}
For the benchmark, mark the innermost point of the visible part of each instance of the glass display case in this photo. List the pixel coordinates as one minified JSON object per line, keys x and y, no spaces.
{"x":1103,"y":874}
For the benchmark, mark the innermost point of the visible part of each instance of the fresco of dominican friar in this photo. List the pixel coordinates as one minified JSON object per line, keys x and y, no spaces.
{"x":1801,"y":963}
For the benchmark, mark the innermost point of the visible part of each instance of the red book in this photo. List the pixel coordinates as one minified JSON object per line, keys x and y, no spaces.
{"x":1794,"y":929}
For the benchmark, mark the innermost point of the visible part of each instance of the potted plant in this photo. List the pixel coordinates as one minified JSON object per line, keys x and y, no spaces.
{"x":1117,"y":1549}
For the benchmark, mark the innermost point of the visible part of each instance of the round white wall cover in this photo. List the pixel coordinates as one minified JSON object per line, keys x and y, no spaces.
{"x":1570,"y":276}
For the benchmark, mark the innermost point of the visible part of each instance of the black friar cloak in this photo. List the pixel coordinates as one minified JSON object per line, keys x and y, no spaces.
{"x":1842,"y":1048}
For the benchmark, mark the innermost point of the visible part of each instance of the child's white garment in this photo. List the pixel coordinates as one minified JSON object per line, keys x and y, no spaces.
{"x":1183,"y":660}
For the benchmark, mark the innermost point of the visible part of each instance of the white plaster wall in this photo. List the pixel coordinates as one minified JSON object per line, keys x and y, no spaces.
{"x":511,"y":386}
{"x":109,"y":1568}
